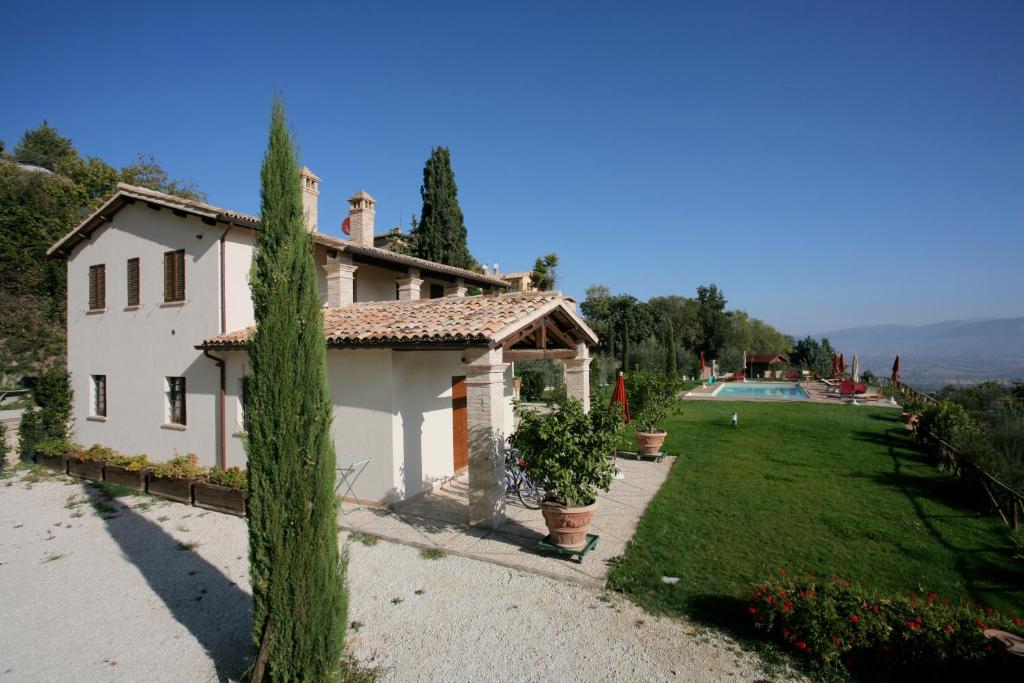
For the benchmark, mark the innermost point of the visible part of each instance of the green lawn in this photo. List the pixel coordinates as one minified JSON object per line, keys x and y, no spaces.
{"x":798,"y":487}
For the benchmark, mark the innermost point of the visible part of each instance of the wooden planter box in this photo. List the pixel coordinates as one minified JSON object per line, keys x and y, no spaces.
{"x":219,"y":498}
{"x":57,"y":463}
{"x":135,"y":479}
{"x":174,"y":489}
{"x":88,"y":469}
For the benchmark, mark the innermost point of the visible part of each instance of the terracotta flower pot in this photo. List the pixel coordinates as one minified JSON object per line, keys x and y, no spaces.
{"x":567,"y":527}
{"x":219,"y":498}
{"x":89,"y":469}
{"x":650,"y":442}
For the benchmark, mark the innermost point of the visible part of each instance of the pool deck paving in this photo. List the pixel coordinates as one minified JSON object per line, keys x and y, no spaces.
{"x":438,"y":520}
{"x":817,"y":392}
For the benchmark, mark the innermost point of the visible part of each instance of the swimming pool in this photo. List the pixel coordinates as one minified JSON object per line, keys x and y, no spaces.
{"x":791,"y":392}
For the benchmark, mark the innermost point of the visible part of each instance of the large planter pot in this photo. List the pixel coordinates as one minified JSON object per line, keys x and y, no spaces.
{"x":909,"y":420}
{"x":567,"y":527}
{"x":174,"y":489}
{"x":135,"y":479}
{"x":57,"y":463}
{"x":88,"y":469}
{"x":219,"y":498}
{"x":650,"y":443}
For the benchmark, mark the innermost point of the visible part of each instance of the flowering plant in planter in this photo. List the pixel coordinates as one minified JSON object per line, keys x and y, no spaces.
{"x":566,"y":454}
{"x":52,"y":454}
{"x":128,"y":470}
{"x":232,"y":477}
{"x":96,"y":453}
{"x":180,"y":467}
{"x":223,"y":490}
{"x":837,"y":625}
{"x":131,"y":463}
{"x":566,"y":451}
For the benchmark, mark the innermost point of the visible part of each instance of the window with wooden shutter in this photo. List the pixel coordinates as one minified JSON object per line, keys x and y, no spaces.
{"x":176,"y":400}
{"x":174,"y":276}
{"x":133,"y":282}
{"x":97,"y":287}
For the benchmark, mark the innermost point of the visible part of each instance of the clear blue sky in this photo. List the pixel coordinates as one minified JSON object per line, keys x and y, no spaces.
{"x":827,"y":164}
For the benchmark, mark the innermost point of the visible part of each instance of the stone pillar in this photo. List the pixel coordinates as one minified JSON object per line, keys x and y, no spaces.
{"x":409,"y":287}
{"x":577,"y":376}
{"x":340,"y":283}
{"x":458,"y":289}
{"x":485,"y":400}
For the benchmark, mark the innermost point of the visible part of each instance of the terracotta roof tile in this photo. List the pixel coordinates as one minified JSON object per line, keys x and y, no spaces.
{"x":471,"y":319}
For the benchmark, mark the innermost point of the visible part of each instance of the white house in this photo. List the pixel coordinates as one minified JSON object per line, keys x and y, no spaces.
{"x":159,"y":310}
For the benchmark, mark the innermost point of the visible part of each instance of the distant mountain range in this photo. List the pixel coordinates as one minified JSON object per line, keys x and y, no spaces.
{"x":950,"y":352}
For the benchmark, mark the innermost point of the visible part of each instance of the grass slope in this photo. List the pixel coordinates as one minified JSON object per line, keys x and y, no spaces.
{"x":799,"y":487}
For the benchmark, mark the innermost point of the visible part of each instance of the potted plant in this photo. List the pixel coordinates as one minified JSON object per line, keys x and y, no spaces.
{"x":566,"y":454}
{"x":652,"y":397}
{"x":90,"y":462}
{"x":128,"y":470}
{"x":173,"y":479}
{"x":53,"y":454}
{"x":911,"y":412}
{"x":222,"y":490}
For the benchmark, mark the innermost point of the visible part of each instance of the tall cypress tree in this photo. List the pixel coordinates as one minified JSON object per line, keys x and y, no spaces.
{"x":625,"y":345}
{"x":671,"y":366}
{"x":298,"y":577}
{"x":441,"y":234}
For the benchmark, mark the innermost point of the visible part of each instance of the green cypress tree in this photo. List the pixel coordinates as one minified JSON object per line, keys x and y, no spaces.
{"x":671,"y":367}
{"x":441,"y":234}
{"x":298,"y":577}
{"x":625,"y":345}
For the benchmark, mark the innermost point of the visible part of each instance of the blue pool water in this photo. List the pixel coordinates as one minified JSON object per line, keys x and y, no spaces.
{"x":754,"y":390}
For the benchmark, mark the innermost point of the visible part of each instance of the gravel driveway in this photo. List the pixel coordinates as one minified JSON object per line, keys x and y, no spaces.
{"x":140,"y":589}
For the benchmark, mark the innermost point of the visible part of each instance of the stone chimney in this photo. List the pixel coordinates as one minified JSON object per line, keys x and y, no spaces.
{"x":360,"y":213}
{"x":310,"y":197}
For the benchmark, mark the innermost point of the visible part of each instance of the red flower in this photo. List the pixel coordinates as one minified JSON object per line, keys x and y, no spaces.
{"x":836,"y":640}
{"x":788,"y":606}
{"x":785,"y":633}
{"x":854,"y":618}
{"x":874,"y":608}
{"x":846,"y":582}
{"x":752,"y":610}
{"x":918,"y":619}
{"x":769,"y":599}
{"x":812,"y":593}
{"x":801,"y":645}
{"x":948,"y":629}
{"x":932,"y":597}
{"x":757,"y":595}
{"x":913,"y":625}
{"x":1017,"y":621}
{"x":782,"y":573}
{"x":782,"y":593}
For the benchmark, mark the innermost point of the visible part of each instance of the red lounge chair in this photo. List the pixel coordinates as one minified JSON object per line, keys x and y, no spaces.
{"x":848,"y":389}
{"x":739,"y":376}
{"x":792,"y":375}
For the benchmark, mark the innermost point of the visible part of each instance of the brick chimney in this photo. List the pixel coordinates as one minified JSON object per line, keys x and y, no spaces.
{"x":360,"y":213}
{"x":310,"y":197}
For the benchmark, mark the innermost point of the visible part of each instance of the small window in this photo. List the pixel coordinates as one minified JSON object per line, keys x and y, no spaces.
{"x":176,"y":400}
{"x":436,"y":291}
{"x":174,"y":276}
{"x":133,"y":282}
{"x":97,"y":287}
{"x":98,"y":396}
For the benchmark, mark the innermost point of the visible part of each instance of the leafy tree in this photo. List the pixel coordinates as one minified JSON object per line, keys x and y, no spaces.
{"x":44,"y":146}
{"x":543,"y":276}
{"x":146,"y":172}
{"x":671,"y":361}
{"x":712,"y":321}
{"x":810,"y":354}
{"x":297,"y":575}
{"x":625,"y":345}
{"x":441,"y":234}
{"x":52,"y":393}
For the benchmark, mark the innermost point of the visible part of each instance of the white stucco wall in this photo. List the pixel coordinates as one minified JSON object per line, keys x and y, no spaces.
{"x":238,"y":251}
{"x":136,"y":349}
{"x":375,"y":284}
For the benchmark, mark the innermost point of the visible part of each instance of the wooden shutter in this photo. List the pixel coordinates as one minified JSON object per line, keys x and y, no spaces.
{"x":97,"y":287}
{"x":174,"y":275}
{"x":133,"y":282}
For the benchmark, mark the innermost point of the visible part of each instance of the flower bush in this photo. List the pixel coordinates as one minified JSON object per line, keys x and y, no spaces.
{"x":947,"y":421}
{"x":233,"y":477}
{"x":180,"y":467}
{"x":97,"y":453}
{"x":837,"y":625}
{"x":132,"y":463}
{"x":54,"y":448}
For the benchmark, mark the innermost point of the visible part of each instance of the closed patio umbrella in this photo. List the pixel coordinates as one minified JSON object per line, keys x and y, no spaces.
{"x":842,"y":364}
{"x":835,"y":365}
{"x":619,"y":396}
{"x":856,"y":368}
{"x":896,"y":369}
{"x":702,"y":366}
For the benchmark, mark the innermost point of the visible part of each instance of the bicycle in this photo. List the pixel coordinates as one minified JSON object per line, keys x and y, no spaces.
{"x":517,"y":482}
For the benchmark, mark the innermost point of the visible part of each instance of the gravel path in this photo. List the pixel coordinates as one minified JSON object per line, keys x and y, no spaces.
{"x":142,"y":589}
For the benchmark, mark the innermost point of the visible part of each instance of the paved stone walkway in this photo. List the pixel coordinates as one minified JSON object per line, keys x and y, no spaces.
{"x":438,"y":520}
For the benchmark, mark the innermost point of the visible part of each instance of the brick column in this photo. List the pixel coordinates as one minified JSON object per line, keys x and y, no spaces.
{"x":458,"y":289}
{"x":340,"y":283}
{"x":577,"y":376}
{"x":409,"y":287}
{"x":485,"y":399}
